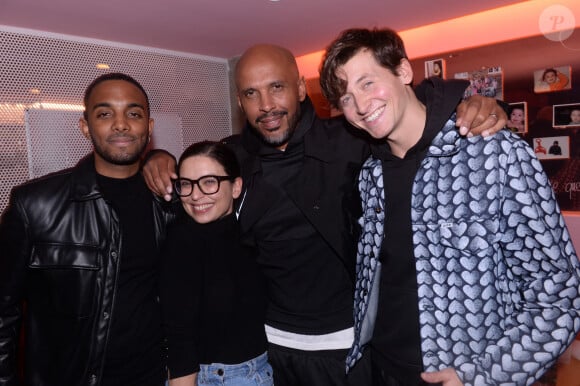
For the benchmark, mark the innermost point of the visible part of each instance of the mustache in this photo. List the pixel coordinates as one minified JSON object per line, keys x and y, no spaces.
{"x":272,"y":114}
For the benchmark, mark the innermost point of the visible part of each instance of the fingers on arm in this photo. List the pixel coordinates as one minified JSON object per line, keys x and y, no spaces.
{"x":158,"y":172}
{"x":479,"y":115}
{"x":447,"y":377}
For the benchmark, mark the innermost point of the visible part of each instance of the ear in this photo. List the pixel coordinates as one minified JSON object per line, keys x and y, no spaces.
{"x":240,"y":103}
{"x":84,"y":126}
{"x":237,"y":187}
{"x":301,"y":89}
{"x":405,"y":72}
{"x":150,"y":130}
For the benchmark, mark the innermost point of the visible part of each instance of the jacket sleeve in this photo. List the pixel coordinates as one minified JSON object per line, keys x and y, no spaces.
{"x":14,"y":249}
{"x":540,"y":284}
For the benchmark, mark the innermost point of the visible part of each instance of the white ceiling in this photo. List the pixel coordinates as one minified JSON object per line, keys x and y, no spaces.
{"x":224,"y":28}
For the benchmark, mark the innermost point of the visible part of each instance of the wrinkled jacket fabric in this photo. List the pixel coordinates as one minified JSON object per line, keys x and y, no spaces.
{"x":498,"y":278}
{"x":60,"y":247}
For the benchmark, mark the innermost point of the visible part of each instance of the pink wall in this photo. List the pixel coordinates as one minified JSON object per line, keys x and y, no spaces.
{"x":573,"y":222}
{"x":528,"y":18}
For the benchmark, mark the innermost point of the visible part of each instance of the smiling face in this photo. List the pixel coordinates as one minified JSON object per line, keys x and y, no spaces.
{"x":575,"y":117}
{"x":550,"y":76}
{"x":436,"y":69}
{"x":517,"y":115}
{"x":380,"y":102}
{"x":118,"y":124}
{"x":269,"y":92}
{"x":206,"y":208}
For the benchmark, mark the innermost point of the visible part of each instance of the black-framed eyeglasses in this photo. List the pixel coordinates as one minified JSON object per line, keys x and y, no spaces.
{"x":206,"y":184}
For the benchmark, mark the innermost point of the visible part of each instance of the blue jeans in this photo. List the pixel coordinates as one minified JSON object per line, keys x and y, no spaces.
{"x":255,"y":372}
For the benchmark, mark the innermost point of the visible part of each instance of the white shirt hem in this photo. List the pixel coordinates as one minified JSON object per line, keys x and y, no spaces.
{"x":338,"y":340}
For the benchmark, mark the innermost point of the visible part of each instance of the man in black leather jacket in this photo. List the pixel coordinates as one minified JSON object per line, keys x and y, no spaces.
{"x":78,"y":258}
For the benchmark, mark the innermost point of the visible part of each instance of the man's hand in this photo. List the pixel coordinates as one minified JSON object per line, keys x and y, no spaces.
{"x":158,"y":172}
{"x":447,"y":377}
{"x":479,"y":115}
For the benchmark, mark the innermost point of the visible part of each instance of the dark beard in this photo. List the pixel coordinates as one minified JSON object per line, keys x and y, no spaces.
{"x":275,"y":142}
{"x":286,"y":136}
{"x":120,"y":159}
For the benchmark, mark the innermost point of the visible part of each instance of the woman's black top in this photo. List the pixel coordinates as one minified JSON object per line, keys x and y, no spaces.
{"x":213,"y":296}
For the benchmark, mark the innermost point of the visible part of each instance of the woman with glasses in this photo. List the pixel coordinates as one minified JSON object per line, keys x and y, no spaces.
{"x":212,"y":292}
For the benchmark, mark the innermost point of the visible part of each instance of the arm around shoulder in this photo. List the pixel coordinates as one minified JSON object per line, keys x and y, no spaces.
{"x":158,"y":170}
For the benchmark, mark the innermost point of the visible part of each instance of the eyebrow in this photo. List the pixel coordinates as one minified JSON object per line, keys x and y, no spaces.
{"x":270,"y":84}
{"x":361,"y":78}
{"x":130,"y":105}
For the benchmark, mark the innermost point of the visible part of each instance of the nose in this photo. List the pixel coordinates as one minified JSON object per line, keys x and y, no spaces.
{"x":120,"y":123}
{"x":196,"y":193}
{"x":266,"y":103}
{"x":360,"y":103}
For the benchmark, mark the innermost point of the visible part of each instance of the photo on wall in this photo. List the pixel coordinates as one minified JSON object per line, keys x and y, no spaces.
{"x":567,"y":115}
{"x":435,"y":67}
{"x":552,"y":79}
{"x":518,"y":117}
{"x":552,"y":148}
{"x":487,"y":82}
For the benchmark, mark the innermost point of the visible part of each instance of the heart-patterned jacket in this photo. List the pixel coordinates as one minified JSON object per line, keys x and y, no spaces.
{"x":497,"y":275}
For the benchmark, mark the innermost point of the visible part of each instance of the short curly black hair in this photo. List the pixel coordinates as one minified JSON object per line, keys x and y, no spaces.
{"x":112,"y":76}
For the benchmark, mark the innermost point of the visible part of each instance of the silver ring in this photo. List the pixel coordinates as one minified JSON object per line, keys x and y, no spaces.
{"x":493,"y":115}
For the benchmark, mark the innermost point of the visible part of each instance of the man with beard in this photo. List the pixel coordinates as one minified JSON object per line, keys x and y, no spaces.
{"x":298,"y":209}
{"x":79,"y":254}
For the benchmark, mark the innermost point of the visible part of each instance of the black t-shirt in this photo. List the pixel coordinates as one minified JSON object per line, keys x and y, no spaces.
{"x":134,"y":353}
{"x":396,"y":342}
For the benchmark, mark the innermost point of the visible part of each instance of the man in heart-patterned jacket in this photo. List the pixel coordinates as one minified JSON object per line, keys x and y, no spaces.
{"x":466,"y":273}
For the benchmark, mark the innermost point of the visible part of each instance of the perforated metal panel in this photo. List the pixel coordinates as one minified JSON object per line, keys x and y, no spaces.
{"x":38,"y":71}
{"x":60,"y":147}
{"x":53,"y":140}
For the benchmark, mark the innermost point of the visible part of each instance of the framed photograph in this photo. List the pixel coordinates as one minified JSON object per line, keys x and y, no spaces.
{"x":518,"y":117}
{"x":550,"y":148}
{"x":435,"y":67}
{"x":487,"y":82}
{"x":567,"y":115}
{"x":553,"y":79}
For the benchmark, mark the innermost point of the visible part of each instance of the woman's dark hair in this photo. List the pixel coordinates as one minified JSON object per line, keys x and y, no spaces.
{"x":385,"y":45}
{"x":218,"y":151}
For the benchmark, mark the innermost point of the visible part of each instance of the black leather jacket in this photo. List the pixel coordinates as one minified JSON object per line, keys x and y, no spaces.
{"x":59,"y":254}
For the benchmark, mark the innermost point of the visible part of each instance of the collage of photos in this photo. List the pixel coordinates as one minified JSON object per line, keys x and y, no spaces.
{"x":566,"y":122}
{"x":550,"y":128}
{"x":487,"y":82}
